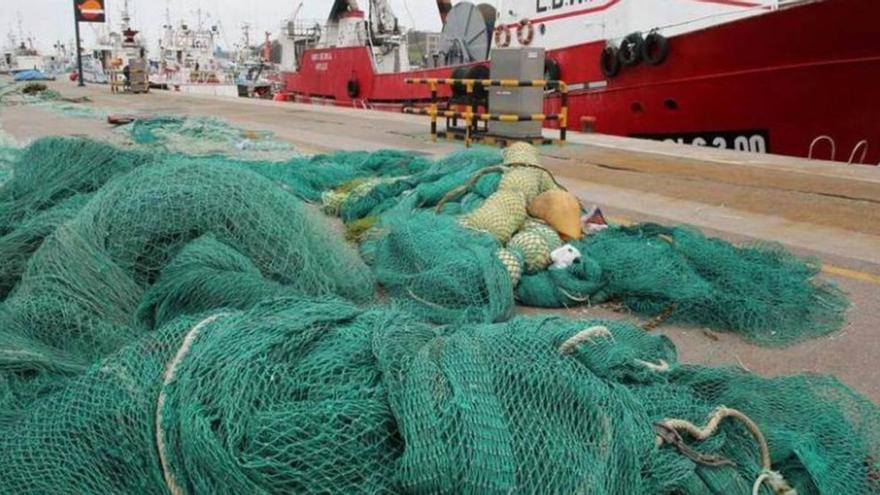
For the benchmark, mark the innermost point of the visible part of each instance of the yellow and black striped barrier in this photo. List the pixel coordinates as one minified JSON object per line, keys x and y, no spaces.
{"x":470,"y":116}
{"x":501,"y":117}
{"x":506,"y":83}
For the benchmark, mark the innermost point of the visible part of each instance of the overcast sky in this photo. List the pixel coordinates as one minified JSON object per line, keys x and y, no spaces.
{"x":49,"y":21}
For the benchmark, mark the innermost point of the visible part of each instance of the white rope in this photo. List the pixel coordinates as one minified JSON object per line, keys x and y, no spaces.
{"x":585,"y":336}
{"x":573,"y":297}
{"x":777,"y":483}
{"x":714,"y":422}
{"x":167,"y":378}
{"x":423,"y":301}
{"x":660,"y":367}
{"x":756,"y":488}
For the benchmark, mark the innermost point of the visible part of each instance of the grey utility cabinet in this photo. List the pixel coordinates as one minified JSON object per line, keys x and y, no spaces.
{"x":526,"y":64}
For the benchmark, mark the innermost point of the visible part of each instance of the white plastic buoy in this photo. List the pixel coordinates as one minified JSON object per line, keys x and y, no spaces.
{"x":565,"y":256}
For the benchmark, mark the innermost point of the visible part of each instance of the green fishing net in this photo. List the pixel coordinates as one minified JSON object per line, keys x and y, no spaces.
{"x":413,"y":214}
{"x":312,"y":177}
{"x":444,"y":262}
{"x":433,"y":267}
{"x":87,"y":273}
{"x":319,"y":396}
{"x":9,"y":152}
{"x":206,"y":136}
{"x":51,"y":179}
{"x":178,"y":324}
{"x":26,"y":93}
{"x":760,"y":291}
{"x":38,"y":95}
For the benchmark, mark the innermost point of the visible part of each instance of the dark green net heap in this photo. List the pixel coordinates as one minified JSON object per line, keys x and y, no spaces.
{"x":172,"y":324}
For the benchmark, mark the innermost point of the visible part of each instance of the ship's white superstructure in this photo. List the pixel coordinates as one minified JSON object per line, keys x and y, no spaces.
{"x":349,"y":26}
{"x":112,"y":50}
{"x":188,"y":58}
{"x":20,"y":53}
{"x":190,"y":62}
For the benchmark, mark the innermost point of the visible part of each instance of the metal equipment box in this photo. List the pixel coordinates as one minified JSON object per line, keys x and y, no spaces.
{"x":139,"y":80}
{"x":524,"y":64}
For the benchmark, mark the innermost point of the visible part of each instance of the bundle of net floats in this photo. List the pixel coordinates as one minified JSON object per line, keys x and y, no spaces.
{"x":181,"y":324}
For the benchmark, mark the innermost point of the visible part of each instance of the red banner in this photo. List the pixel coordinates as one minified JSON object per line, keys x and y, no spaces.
{"x":90,"y":10}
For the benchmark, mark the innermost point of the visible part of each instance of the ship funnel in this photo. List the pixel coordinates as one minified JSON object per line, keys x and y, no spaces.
{"x":444,"y":6}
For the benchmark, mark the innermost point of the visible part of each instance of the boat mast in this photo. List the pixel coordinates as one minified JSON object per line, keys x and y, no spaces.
{"x":21,"y":38}
{"x":126,"y":18}
{"x":201,"y":21}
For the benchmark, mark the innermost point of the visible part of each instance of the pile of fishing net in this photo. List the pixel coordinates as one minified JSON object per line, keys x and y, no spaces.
{"x":187,"y":325}
{"x":9,"y":153}
{"x":24,"y":93}
{"x":461,"y":240}
{"x":465,"y":239}
{"x":100,"y":246}
{"x":206,"y":136}
{"x":38,"y":95}
{"x":760,"y":291}
{"x":297,"y":395}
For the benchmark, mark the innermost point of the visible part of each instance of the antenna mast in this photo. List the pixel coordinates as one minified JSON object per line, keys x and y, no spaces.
{"x":126,"y":18}
{"x":21,"y":38}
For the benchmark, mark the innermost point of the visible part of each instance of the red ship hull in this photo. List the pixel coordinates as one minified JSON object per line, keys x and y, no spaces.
{"x":774,"y":82}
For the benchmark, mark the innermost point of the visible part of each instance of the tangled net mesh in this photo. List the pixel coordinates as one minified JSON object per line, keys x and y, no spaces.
{"x":38,"y":95}
{"x":466,"y":283}
{"x":158,"y":239}
{"x":206,"y":136}
{"x":9,"y":152}
{"x":445,"y":245}
{"x":191,"y":325}
{"x":298,"y":395}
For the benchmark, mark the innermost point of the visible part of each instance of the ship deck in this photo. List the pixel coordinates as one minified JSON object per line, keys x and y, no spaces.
{"x":822,"y":209}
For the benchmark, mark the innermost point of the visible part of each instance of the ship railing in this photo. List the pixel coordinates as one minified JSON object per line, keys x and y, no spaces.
{"x":862,"y":146}
{"x":305,"y":29}
{"x":821,"y":139}
{"x":472,"y":117}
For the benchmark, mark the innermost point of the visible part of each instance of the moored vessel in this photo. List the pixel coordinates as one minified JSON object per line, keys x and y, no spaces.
{"x":21,"y":53}
{"x":113,"y":50}
{"x":187,"y":59}
{"x":792,"y":77}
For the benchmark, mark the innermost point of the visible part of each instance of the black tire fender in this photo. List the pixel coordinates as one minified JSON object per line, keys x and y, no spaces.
{"x":459,"y":89}
{"x":631,"y":50}
{"x":609,"y":61}
{"x":479,"y":73}
{"x":552,"y":70}
{"x":353,"y":88}
{"x":655,"y":49}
